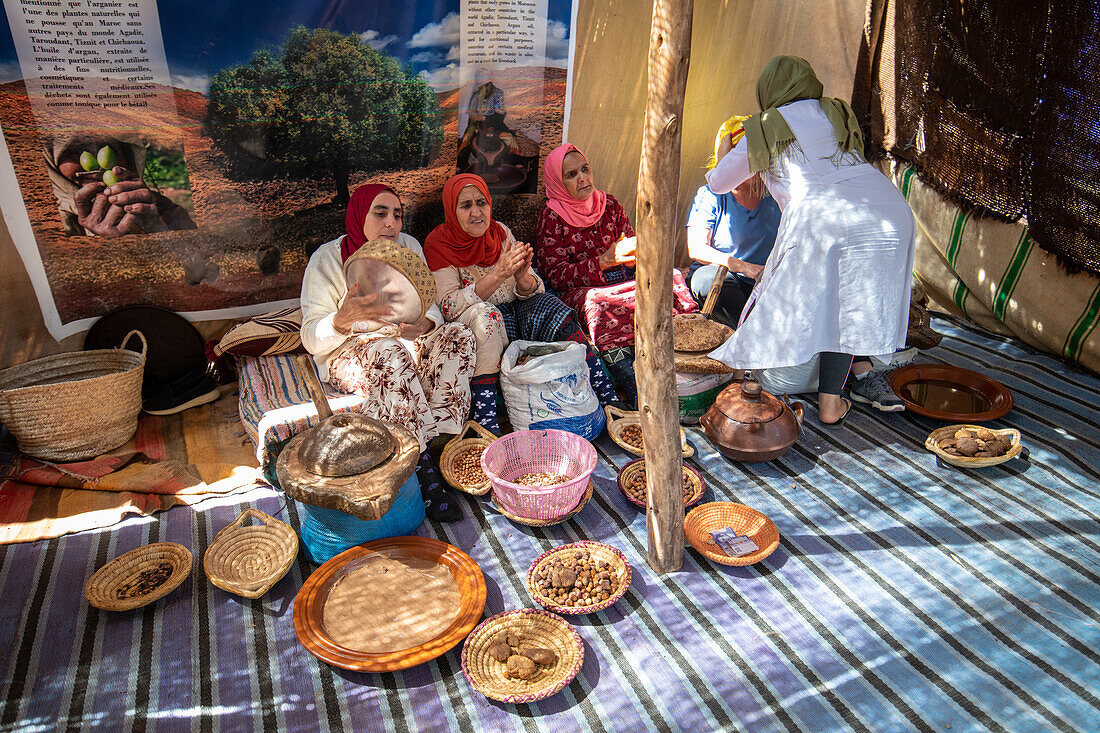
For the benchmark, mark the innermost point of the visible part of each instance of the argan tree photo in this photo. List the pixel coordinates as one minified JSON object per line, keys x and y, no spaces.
{"x":325,"y":103}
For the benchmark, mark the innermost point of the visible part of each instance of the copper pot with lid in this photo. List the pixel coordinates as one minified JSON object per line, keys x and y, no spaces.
{"x":747,"y":424}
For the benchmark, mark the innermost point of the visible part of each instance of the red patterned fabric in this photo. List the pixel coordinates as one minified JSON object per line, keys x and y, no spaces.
{"x":568,"y":258}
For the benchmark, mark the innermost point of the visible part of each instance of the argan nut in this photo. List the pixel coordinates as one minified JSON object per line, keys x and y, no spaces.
{"x":983,"y":454}
{"x":500,"y":651}
{"x":538,"y":655}
{"x":107,"y":158}
{"x":512,"y":638}
{"x":109,"y":178}
{"x":1006,"y":441}
{"x":964,"y":433}
{"x":985,"y":434}
{"x":520,"y":667}
{"x":88,"y":161}
{"x":995,"y":447}
{"x":967,"y":446}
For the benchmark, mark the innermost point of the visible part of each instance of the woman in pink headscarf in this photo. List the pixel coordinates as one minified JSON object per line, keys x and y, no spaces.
{"x":585,"y":249}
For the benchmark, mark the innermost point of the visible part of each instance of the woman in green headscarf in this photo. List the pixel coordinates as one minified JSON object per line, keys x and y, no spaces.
{"x":837,"y":281}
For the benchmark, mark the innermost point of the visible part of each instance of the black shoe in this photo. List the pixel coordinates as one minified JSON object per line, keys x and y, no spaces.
{"x":190,"y":389}
{"x":620,"y":362}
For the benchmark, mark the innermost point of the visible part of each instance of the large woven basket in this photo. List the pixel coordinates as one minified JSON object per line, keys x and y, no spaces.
{"x":637,"y":466}
{"x":459,"y":446}
{"x":68,"y":407}
{"x":119,"y":586}
{"x":248,"y":560}
{"x":538,"y":628}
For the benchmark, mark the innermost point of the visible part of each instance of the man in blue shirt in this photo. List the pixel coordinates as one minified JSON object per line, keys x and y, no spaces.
{"x":737,"y":230}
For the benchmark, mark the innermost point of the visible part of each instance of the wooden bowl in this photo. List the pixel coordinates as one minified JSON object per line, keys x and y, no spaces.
{"x":542,"y":628}
{"x":932,"y":444}
{"x":459,"y":445}
{"x":111,"y":586}
{"x":548,"y":522}
{"x":950,"y":393}
{"x":747,"y":522}
{"x":638,"y":465}
{"x":618,"y":420}
{"x":310,"y":602}
{"x":249,"y":560}
{"x":620,"y":575}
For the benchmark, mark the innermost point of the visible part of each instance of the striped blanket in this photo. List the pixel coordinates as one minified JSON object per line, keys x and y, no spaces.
{"x":905,"y":595}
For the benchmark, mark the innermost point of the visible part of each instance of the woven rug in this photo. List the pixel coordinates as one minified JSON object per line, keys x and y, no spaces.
{"x":905,"y":595}
{"x":173,"y":460}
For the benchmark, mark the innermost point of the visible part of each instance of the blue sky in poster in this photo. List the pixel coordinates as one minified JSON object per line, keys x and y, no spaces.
{"x":202,"y":37}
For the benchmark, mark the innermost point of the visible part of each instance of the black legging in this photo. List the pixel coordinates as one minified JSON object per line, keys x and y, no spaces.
{"x":833,"y":371}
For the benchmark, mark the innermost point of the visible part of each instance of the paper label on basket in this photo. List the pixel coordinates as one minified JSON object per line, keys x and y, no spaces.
{"x":732,"y":544}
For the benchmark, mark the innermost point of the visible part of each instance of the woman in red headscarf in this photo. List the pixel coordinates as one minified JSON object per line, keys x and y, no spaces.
{"x":485,"y":281}
{"x":586,"y":248}
{"x":413,"y":374}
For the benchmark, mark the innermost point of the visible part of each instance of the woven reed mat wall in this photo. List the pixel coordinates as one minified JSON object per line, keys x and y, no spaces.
{"x":173,"y":460}
{"x":995,"y":103}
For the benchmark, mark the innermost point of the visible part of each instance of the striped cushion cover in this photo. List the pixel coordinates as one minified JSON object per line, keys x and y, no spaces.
{"x":275,"y":404}
{"x":278,"y":332}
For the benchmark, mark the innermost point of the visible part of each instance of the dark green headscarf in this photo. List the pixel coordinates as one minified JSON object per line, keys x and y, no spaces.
{"x":784,"y":80}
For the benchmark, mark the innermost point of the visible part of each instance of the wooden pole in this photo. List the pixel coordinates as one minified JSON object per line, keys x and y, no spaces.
{"x":657,"y":225}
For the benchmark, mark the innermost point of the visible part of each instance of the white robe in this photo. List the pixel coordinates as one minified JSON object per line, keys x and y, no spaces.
{"x":838,"y":276}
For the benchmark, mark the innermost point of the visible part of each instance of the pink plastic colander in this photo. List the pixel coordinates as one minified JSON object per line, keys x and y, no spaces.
{"x":539,"y":451}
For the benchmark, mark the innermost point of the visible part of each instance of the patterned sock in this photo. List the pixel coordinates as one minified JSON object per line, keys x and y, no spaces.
{"x":597,"y":372}
{"x":483,"y":402}
{"x":438,"y":505}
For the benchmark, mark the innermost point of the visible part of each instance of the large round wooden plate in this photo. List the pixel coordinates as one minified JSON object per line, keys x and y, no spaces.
{"x":310,"y":602}
{"x":950,"y":393}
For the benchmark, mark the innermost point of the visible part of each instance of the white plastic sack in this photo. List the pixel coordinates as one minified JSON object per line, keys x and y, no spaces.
{"x":550,"y":391}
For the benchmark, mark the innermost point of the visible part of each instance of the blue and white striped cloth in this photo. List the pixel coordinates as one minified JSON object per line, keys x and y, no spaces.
{"x":905,"y":595}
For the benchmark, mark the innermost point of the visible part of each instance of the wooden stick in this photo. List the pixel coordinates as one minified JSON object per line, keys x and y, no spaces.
{"x":657,"y":225}
{"x":715,"y":289}
{"x":313,"y":384}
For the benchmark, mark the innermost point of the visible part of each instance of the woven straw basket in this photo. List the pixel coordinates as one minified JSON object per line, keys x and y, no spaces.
{"x":620,"y":575}
{"x":746,"y":521}
{"x":249,"y":560}
{"x":618,"y":420}
{"x":630,"y":470}
{"x":68,"y":407}
{"x":108,"y":588}
{"x":934,"y":438}
{"x":538,"y":629}
{"x":458,"y":446}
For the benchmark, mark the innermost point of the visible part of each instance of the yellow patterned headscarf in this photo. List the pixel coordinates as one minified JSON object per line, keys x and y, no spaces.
{"x":733,"y":126}
{"x":788,"y":79}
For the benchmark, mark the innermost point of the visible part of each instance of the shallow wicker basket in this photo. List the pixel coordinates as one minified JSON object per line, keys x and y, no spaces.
{"x":539,"y":628}
{"x":620,"y":574}
{"x":932,"y":444}
{"x":248,"y":560}
{"x":68,"y":407}
{"x":458,"y":446}
{"x":108,"y":585}
{"x":548,"y":522}
{"x":746,"y":521}
{"x":618,"y":420}
{"x":626,"y":475}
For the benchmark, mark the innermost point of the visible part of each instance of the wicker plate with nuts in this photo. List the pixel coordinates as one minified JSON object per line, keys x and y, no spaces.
{"x":974,"y":446}
{"x":626,"y":430}
{"x":632,"y":482}
{"x":582,"y":577}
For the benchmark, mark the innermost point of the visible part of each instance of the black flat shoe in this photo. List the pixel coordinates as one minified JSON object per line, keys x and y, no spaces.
{"x":839,"y":421}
